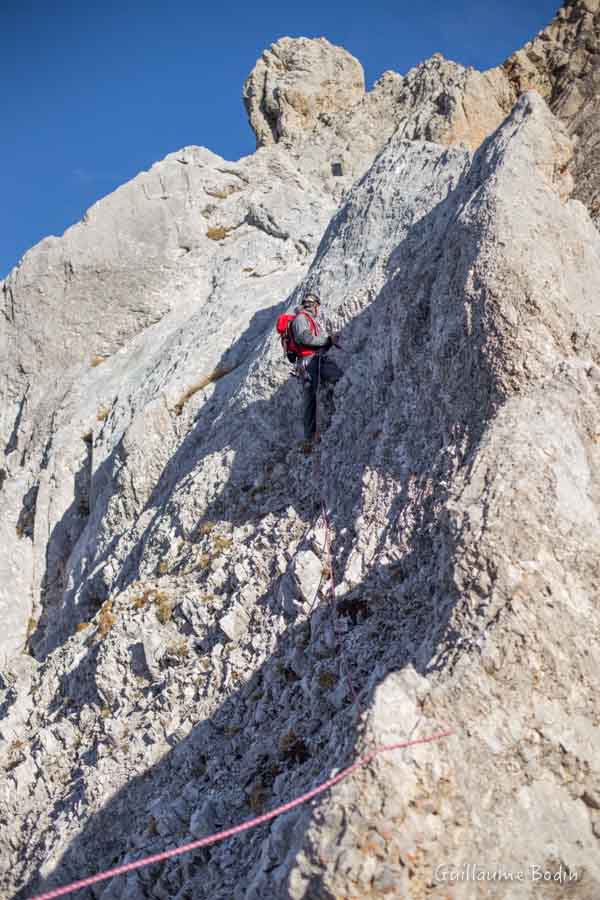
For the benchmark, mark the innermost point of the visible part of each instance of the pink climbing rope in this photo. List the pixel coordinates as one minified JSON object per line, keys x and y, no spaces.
{"x":238,"y":829}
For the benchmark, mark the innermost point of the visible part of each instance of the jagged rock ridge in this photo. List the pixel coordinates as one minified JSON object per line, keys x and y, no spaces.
{"x":289,"y":102}
{"x":187,"y":664}
{"x":562,"y":64}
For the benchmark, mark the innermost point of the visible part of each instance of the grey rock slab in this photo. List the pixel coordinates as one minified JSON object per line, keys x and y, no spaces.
{"x":235,"y":623}
{"x":299,"y":587}
{"x":95,"y":450}
{"x":154,"y":649}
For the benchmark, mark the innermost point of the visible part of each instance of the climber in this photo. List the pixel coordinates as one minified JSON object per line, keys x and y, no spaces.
{"x":311,"y":363}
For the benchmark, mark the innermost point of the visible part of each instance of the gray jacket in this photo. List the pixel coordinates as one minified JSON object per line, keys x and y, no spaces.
{"x":303,"y":335}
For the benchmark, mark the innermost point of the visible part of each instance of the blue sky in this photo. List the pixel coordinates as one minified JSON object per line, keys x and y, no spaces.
{"x":93,"y":92}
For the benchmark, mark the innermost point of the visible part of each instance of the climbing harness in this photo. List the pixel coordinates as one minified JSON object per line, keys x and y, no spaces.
{"x":299,"y":369}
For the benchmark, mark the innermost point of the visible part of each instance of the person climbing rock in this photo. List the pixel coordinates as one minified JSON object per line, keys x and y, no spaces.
{"x":313,"y":365}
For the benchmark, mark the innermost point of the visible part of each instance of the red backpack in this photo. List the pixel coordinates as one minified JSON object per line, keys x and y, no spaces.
{"x":291,"y":349}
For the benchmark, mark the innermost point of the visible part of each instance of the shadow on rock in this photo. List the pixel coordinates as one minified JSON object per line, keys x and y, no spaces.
{"x":268,"y":741}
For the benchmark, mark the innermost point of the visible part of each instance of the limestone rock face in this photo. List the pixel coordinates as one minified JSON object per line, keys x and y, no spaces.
{"x":201,"y":622}
{"x":298,"y":81}
{"x":309,"y":96}
{"x":562,"y":64}
{"x":153,"y":258}
{"x":334,"y":134}
{"x":463,"y":498}
{"x":445,"y":102}
{"x":160,"y":243}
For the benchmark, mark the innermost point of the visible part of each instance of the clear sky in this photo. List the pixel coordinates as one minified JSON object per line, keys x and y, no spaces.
{"x":94,"y":91}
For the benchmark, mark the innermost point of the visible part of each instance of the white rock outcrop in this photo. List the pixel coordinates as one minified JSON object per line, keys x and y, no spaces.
{"x":131,"y":300}
{"x":309,"y":96}
{"x":298,"y":81}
